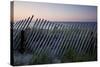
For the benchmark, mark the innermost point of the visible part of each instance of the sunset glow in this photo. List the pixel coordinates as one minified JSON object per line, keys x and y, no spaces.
{"x":54,"y":12}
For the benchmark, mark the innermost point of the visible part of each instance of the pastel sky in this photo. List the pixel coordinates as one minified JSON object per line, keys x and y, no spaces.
{"x":54,"y":12}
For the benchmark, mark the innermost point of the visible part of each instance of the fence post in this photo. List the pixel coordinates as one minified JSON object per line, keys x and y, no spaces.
{"x":22,"y":48}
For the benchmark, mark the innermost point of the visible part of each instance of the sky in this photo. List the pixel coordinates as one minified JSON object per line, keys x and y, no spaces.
{"x":55,"y":12}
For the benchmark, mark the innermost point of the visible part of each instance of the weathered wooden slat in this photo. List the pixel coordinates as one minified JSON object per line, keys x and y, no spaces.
{"x":41,"y":39}
{"x":38,"y":35}
{"x":54,"y":39}
{"x":46,"y":39}
{"x":17,"y":39}
{"x":32,"y":34}
{"x":34,"y":38}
